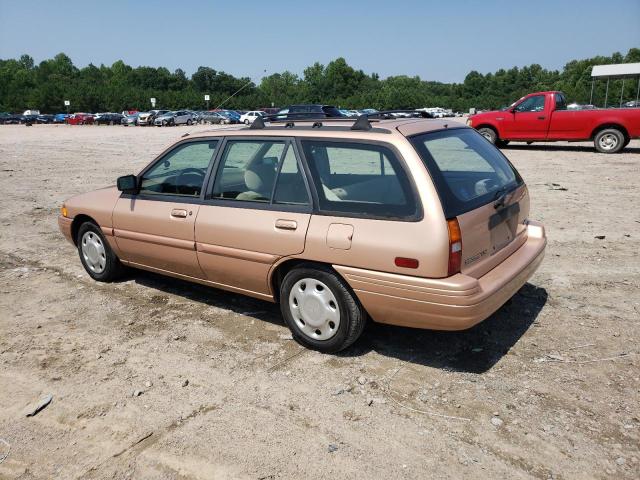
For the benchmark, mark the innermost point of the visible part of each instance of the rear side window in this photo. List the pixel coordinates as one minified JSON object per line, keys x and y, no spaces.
{"x":468,"y":171}
{"x":359,"y":179}
{"x":561,"y":103}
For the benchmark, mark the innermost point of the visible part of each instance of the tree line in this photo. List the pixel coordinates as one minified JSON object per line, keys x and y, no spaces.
{"x":45,"y":86}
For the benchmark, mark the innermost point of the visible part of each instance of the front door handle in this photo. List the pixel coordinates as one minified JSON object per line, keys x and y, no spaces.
{"x":542,"y":117}
{"x":179,"y":213}
{"x":286,"y":224}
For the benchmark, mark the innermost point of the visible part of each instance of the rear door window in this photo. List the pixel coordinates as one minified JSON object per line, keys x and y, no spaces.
{"x":468,"y":171}
{"x":264,"y":171}
{"x":359,"y":179}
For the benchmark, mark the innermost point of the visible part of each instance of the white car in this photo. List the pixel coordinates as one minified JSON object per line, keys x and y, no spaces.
{"x":249,"y":117}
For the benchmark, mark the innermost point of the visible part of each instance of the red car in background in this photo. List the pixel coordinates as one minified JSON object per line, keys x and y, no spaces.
{"x":544,"y":117}
{"x":79,"y":119}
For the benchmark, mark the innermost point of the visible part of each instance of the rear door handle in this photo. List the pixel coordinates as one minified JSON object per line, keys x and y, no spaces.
{"x":179,"y":213}
{"x":286,"y":224}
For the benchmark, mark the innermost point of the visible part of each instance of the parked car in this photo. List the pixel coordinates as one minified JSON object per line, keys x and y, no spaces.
{"x":212,"y":118}
{"x":544,"y":117}
{"x":330,"y":222}
{"x":60,"y":117}
{"x":170,"y":119}
{"x":10,"y":118}
{"x":44,"y":118}
{"x":249,"y":117}
{"x":30,"y":119}
{"x":147,"y":118}
{"x":31,"y":112}
{"x":130,"y":120}
{"x":232,"y":115}
{"x":632,"y":104}
{"x":109,"y":119}
{"x":79,"y":119}
{"x":301,"y":112}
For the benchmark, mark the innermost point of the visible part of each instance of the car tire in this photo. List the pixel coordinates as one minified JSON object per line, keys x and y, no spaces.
{"x":609,"y":140}
{"x":334,"y":318}
{"x":96,"y":255}
{"x":246,"y":122}
{"x":488,"y":133}
{"x":501,"y":143}
{"x":189,"y":122}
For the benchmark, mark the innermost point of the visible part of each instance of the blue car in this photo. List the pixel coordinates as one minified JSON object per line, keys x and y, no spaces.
{"x":60,"y":117}
{"x":234,"y":117}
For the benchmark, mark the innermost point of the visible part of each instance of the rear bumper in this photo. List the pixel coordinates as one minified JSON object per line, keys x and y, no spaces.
{"x":454,"y":303}
{"x":64,"y":224}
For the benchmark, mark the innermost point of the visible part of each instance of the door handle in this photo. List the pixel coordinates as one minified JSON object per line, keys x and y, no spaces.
{"x":542,"y":117}
{"x":286,"y":224}
{"x":179,"y":213}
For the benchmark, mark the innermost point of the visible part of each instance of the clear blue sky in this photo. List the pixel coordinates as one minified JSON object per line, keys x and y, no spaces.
{"x":438,"y":40}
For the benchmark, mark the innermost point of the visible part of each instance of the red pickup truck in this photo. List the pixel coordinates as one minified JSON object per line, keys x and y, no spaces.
{"x":543,"y":117}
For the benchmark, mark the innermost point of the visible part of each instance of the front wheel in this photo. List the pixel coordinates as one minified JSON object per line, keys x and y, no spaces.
{"x":609,"y":140}
{"x":189,"y":122}
{"x":320,"y":309}
{"x":97,"y":257}
{"x":489,"y":134}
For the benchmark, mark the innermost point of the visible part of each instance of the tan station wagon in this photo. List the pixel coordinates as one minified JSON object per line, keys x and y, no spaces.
{"x":413,"y":222}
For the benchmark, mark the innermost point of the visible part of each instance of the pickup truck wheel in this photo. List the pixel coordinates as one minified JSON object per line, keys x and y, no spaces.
{"x":489,"y":134}
{"x":609,"y":140}
{"x":97,"y":258}
{"x":501,"y":143}
{"x":320,"y":309}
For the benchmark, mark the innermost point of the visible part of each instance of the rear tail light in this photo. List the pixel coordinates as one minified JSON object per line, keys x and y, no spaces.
{"x":455,"y":246}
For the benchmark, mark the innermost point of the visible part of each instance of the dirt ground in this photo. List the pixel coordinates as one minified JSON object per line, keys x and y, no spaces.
{"x":548,"y":387}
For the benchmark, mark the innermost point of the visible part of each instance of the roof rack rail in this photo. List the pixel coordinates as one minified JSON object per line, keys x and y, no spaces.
{"x":361,"y":122}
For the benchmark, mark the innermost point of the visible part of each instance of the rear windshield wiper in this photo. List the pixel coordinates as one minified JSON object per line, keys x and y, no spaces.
{"x":501,"y":194}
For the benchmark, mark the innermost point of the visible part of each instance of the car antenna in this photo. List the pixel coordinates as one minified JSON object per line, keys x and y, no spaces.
{"x":233,"y":95}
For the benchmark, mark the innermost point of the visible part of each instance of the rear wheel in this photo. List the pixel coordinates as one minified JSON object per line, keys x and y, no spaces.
{"x":320,"y":309}
{"x":246,"y":122}
{"x":609,"y":140}
{"x":488,"y":133}
{"x":189,"y":122}
{"x":97,"y":257}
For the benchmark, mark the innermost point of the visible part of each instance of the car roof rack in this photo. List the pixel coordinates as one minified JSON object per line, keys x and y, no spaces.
{"x":361,"y":122}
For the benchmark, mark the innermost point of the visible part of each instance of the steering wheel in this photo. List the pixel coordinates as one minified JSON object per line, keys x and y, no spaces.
{"x":186,"y":171}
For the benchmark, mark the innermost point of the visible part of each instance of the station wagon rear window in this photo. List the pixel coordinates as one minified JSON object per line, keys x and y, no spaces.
{"x":359,"y":179}
{"x":467,"y":170}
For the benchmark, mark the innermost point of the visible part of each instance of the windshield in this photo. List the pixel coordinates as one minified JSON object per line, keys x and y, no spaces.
{"x":468,"y":171}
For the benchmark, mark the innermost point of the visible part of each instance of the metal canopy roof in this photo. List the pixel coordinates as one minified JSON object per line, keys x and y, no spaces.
{"x":620,"y":70}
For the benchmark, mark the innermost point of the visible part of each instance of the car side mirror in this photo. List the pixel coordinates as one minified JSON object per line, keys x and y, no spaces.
{"x":128,"y":184}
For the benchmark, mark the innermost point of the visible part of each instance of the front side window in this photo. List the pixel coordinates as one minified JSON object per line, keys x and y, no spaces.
{"x":359,"y":178}
{"x":181,"y":171}
{"x":532,"y":104}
